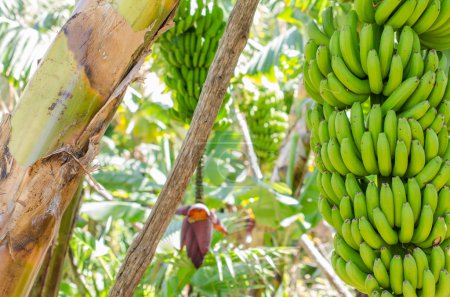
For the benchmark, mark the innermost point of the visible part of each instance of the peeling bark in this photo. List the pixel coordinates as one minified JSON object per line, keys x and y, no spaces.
{"x":48,"y":144}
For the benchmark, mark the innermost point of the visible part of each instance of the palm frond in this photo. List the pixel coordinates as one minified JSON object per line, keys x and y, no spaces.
{"x":26,"y":29}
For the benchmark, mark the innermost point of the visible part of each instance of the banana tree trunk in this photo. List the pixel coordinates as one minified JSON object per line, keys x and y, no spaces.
{"x":47,"y":144}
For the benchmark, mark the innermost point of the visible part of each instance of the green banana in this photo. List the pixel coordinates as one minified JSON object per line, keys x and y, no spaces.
{"x":357,"y":124}
{"x":369,"y":235}
{"x":430,"y":196}
{"x":401,"y":15}
{"x":385,"y":55}
{"x":437,"y":94}
{"x":350,"y":158}
{"x":408,"y":289}
{"x":418,"y":155}
{"x":399,"y":96}
{"x":336,"y":220}
{"x":386,"y":256}
{"x":395,"y":71}
{"x":384,"y":228}
{"x":365,"y":10}
{"x":428,"y":281}
{"x":417,"y":12}
{"x":442,"y":177}
{"x":390,"y":129}
{"x":428,"y":119}
{"x":405,"y":44}
{"x":334,"y":152}
{"x":359,"y":205}
{"x":428,"y":17}
{"x":384,"y":155}
{"x":432,"y":61}
{"x":345,"y":208}
{"x":341,"y":93}
{"x":347,"y":78}
{"x":423,"y":90}
{"x":443,"y":202}
{"x":443,"y":286}
{"x":372,"y":200}
{"x":366,"y":43}
{"x":416,"y":131}
{"x":371,"y":284}
{"x":415,"y":66}
{"x":437,"y":261}
{"x":401,"y":159}
{"x":316,"y":34}
{"x":352,"y":185}
{"x":325,"y":159}
{"x":374,"y":72}
{"x":375,"y":122}
{"x":368,"y":255}
{"x":325,"y":210}
{"x":413,"y":195}
{"x":396,"y":274}
{"x":350,"y":52}
{"x":381,"y":274}
{"x":356,"y":235}
{"x":384,"y":10}
{"x":417,"y":111}
{"x":437,"y":234}
{"x":323,"y":59}
{"x":347,"y":234}
{"x":429,"y":171}
{"x":387,"y":203}
{"x":422,"y":265}
{"x":368,"y":153}
{"x":431,"y":144}
{"x":354,"y":272}
{"x":407,"y":224}
{"x":399,"y":193}
{"x":349,"y":254}
{"x":410,"y":270}
{"x":327,"y":21}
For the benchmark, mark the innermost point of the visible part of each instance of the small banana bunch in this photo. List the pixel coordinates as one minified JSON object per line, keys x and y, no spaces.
{"x":268,"y":122}
{"x":428,"y":18}
{"x":380,"y":137}
{"x":189,"y":49}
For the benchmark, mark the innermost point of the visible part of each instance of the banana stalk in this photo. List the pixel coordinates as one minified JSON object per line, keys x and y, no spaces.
{"x":46,"y":146}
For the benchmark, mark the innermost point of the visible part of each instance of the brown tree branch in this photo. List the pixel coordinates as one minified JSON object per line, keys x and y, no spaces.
{"x":143,"y":248}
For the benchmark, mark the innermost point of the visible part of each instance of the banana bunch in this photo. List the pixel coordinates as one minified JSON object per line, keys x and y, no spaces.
{"x":380,"y":138}
{"x":428,"y":18}
{"x":268,"y":123}
{"x":410,"y":144}
{"x":189,"y":49}
{"x":347,"y":67}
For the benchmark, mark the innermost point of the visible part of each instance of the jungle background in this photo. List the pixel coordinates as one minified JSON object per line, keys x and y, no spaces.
{"x":265,"y":215}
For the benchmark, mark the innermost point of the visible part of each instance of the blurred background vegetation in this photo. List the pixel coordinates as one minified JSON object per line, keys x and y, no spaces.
{"x":265,"y":216}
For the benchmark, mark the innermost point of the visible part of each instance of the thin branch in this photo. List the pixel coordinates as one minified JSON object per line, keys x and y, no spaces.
{"x":144,"y":246}
{"x":324,"y":266}
{"x":251,"y":155}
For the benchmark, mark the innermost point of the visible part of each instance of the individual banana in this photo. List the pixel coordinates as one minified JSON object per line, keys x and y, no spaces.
{"x":429,"y":171}
{"x":407,"y":224}
{"x":413,"y":195}
{"x":387,"y":203}
{"x":366,"y":43}
{"x":429,"y":283}
{"x":347,"y":234}
{"x":359,"y":205}
{"x":327,"y":21}
{"x":374,"y":72}
{"x":350,"y":158}
{"x":365,"y":11}
{"x":387,"y":233}
{"x":422,"y":265}
{"x":415,"y":66}
{"x":399,"y":96}
{"x":354,"y":272}
{"x":437,"y":261}
{"x":347,"y":78}
{"x":417,"y":111}
{"x":416,"y":131}
{"x":384,"y":155}
{"x":316,"y":34}
{"x":399,"y":195}
{"x":417,"y":12}
{"x":349,"y":254}
{"x":356,"y":235}
{"x":384,"y":10}
{"x":386,"y":55}
{"x":418,"y":155}
{"x":422,"y":91}
{"x":405,"y":44}
{"x":367,"y":253}
{"x":408,"y":289}
{"x":410,"y":271}
{"x":386,"y":256}
{"x":381,"y":274}
{"x":443,"y":203}
{"x":437,"y":234}
{"x":437,"y":94}
{"x":395,"y":71}
{"x":369,"y":235}
{"x":357,"y":124}
{"x":334,"y":152}
{"x":431,"y":144}
{"x":400,"y":159}
{"x":375,"y":122}
{"x":428,"y":119}
{"x":431,"y":196}
{"x":371,"y":284}
{"x":345,"y":208}
{"x":390,"y":129}
{"x":443,"y":176}
{"x":396,"y":274}
{"x":428,"y":17}
{"x":352,"y":185}
{"x":401,"y":15}
{"x":323,"y":59}
{"x":336,"y":219}
{"x":350,"y":52}
{"x":325,"y":210}
{"x":341,"y":93}
{"x":443,"y":286}
{"x":368,"y":153}
{"x":372,"y":200}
